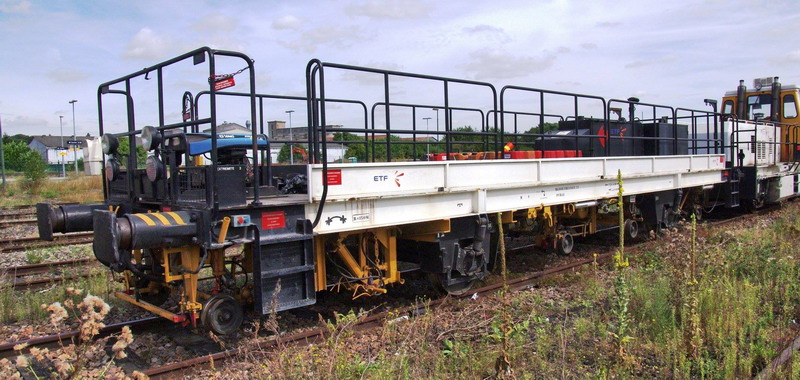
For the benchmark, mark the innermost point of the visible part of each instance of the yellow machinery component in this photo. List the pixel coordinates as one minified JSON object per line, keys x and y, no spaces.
{"x":372,"y":266}
{"x":547,"y":216}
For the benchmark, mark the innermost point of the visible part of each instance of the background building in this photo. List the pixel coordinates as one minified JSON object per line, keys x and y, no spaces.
{"x":279,"y":131}
{"x":49,"y":147}
{"x":232,"y":128}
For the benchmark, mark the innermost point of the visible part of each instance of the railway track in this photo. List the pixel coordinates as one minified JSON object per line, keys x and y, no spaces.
{"x":19,"y":275}
{"x":372,"y":321}
{"x":12,"y":211}
{"x":317,"y":334}
{"x":7,"y":349}
{"x":22,"y":244}
{"x":22,"y":221}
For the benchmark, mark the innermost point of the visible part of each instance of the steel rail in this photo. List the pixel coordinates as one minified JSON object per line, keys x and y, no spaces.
{"x":22,"y":244}
{"x":316,"y":335}
{"x":7,"y":349}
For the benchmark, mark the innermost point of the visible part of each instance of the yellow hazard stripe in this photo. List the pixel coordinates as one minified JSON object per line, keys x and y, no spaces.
{"x":177,"y":217}
{"x":146,"y":219}
{"x":162,"y":218}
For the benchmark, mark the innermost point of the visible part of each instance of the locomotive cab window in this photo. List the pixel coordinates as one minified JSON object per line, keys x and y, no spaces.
{"x":727,"y":107}
{"x":759,"y":104}
{"x":789,"y":107}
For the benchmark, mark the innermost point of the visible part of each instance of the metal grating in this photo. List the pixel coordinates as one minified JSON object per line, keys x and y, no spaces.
{"x":192,"y":184}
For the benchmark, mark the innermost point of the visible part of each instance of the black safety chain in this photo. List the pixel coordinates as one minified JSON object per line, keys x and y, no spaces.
{"x":217,"y":78}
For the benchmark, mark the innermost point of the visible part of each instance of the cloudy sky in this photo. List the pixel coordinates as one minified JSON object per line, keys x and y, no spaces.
{"x":667,"y":52}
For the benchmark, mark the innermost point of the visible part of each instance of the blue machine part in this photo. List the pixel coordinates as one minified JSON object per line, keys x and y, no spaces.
{"x":200,"y":143}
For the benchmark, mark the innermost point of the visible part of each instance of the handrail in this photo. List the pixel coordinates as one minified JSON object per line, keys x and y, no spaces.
{"x":315,"y":70}
{"x":199,"y":55}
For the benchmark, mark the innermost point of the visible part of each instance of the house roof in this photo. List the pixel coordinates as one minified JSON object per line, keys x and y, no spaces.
{"x":55,"y":141}
{"x":230,"y":127}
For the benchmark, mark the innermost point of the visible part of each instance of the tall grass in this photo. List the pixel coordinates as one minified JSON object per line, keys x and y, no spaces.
{"x":80,"y":189}
{"x":720,"y":311}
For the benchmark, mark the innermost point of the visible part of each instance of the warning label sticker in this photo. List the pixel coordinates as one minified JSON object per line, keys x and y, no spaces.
{"x":272,"y":220}
{"x":334,"y":177}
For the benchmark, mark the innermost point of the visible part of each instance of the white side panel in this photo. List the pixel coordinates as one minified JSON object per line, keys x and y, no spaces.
{"x":426,"y":191}
{"x":787,"y":186}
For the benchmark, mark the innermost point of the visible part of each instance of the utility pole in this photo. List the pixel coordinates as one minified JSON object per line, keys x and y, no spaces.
{"x":428,"y":144}
{"x":60,"y":152}
{"x":438,"y":138}
{"x":74,"y":147}
{"x":291,"y":139}
{"x":2,"y":156}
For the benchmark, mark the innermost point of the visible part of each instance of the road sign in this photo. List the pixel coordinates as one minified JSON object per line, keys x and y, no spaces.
{"x":74,"y":142}
{"x":61,"y":148}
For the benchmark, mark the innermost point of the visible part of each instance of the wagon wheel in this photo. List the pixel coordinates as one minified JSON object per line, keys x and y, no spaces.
{"x":750,"y":206}
{"x":459,"y":288}
{"x":565,"y":243}
{"x":631,"y":229}
{"x":222,"y":314}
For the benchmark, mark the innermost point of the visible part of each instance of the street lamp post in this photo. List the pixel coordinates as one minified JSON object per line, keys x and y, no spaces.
{"x":437,"y":120}
{"x":61,"y":153}
{"x":74,"y":148}
{"x":437,"y":125}
{"x":428,"y":144}
{"x":291,"y":139}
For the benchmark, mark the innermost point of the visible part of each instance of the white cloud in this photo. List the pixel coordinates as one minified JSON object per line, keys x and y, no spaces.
{"x":793,"y":56}
{"x":15,"y":6}
{"x":215,"y":22}
{"x":148,"y":45}
{"x":67,"y":75}
{"x":330,"y":36}
{"x":488,"y":64}
{"x":390,"y":9}
{"x":23,"y":123}
{"x":372,"y":79}
{"x":488,"y":32}
{"x":53,"y":54}
{"x":608,"y":24}
{"x":287,"y":22}
{"x":650,"y":62}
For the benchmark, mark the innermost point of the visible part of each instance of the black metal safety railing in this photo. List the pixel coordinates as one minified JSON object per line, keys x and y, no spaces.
{"x":317,"y":117}
{"x":701,"y":141}
{"x":663,"y":133}
{"x":782,"y":148}
{"x":662,"y":129}
{"x":267,"y":158}
{"x":541,"y":137}
{"x":455,"y":134}
{"x":197,"y":56}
